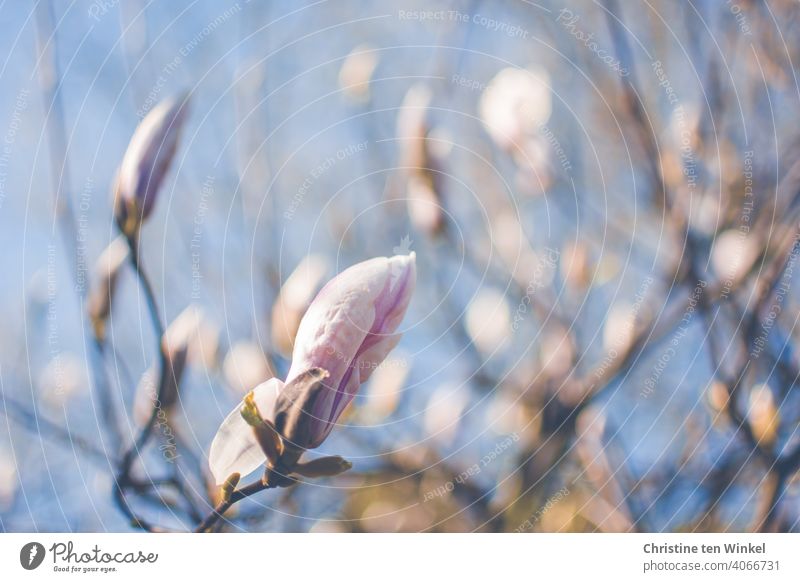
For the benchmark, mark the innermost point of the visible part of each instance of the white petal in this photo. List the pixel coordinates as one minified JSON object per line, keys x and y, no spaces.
{"x":234,"y":449}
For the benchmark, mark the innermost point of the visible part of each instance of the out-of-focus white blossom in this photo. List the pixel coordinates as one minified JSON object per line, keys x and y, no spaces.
{"x":356,"y":72}
{"x":515,"y":104}
{"x":245,"y":366}
{"x":488,"y":320}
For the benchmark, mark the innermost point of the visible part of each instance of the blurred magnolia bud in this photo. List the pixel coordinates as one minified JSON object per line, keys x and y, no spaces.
{"x":608,"y":268}
{"x":423,"y":180}
{"x":176,"y":344}
{"x":575,"y":265}
{"x":412,"y":127}
{"x":408,"y":456}
{"x":488,"y":320}
{"x":201,"y":338}
{"x":183,"y":329}
{"x":245,"y":366}
{"x":556,"y":351}
{"x":705,"y":213}
{"x":672,"y":169}
{"x":734,"y":254}
{"x":382,"y":516}
{"x":356,"y":72}
{"x":763,"y":415}
{"x":620,"y":328}
{"x":684,"y":125}
{"x":718,"y":396}
{"x":506,"y":414}
{"x":444,"y":411}
{"x":514,"y":105}
{"x":147,"y":397}
{"x":293,"y":300}
{"x":146,"y":162}
{"x":439,"y":144}
{"x":424,"y":206}
{"x":101,"y":296}
{"x":507,"y":492}
{"x":572,"y":391}
{"x":205,"y":350}
{"x":384,"y":389}
{"x":323,"y":467}
{"x":529,"y":270}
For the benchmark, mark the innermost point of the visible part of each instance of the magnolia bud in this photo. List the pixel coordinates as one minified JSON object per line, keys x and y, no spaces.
{"x":146,"y":162}
{"x":175,"y":344}
{"x":147,"y":396}
{"x":422,"y":176}
{"x":412,"y":128}
{"x":424,"y":206}
{"x":101,"y":297}
{"x":346,"y":333}
{"x":348,"y":330}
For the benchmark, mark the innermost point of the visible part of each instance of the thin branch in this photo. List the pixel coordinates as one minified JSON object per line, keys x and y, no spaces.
{"x":224,"y":505}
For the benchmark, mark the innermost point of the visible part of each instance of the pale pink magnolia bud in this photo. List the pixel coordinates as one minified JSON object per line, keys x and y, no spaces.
{"x":346,"y":333}
{"x":146,"y":162}
{"x":348,"y":330}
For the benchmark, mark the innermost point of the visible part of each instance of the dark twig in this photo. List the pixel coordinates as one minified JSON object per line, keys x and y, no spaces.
{"x":224,"y":505}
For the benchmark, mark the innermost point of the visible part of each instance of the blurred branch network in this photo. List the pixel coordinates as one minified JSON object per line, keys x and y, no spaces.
{"x":604,"y":204}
